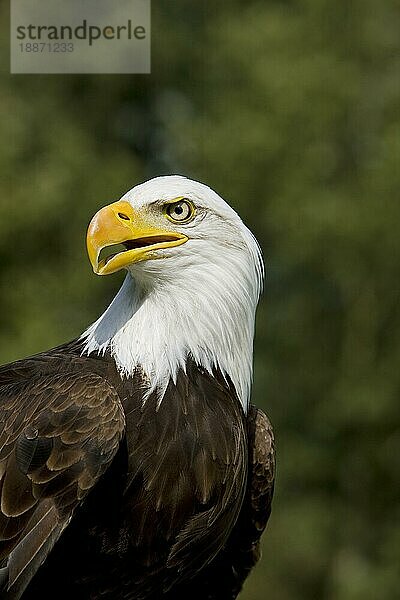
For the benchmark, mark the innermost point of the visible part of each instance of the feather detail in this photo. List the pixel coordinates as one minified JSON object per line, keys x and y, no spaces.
{"x":51,"y":455}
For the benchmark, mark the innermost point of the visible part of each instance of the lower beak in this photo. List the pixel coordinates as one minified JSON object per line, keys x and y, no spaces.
{"x":118,"y":224}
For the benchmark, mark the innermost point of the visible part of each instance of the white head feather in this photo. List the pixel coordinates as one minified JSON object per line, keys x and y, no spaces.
{"x":199,"y":302}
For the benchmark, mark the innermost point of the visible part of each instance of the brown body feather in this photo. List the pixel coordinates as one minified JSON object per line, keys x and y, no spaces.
{"x":106,"y":496}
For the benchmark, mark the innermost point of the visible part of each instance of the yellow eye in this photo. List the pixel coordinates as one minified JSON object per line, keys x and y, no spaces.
{"x":181,"y":211}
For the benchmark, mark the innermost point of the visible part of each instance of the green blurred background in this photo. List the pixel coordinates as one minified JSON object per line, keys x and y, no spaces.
{"x":290,"y":110}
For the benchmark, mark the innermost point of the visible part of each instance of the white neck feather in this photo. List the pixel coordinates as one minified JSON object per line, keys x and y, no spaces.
{"x":205,"y":312}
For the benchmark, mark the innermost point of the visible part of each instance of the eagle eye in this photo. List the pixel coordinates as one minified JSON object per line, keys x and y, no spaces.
{"x":181,"y":211}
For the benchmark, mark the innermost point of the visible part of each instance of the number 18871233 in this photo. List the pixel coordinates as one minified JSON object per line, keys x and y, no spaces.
{"x":46,"y":47}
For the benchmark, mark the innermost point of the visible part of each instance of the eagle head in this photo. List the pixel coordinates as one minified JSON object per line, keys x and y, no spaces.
{"x":194,"y":275}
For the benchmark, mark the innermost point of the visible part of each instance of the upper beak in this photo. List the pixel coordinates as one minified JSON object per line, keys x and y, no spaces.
{"x":119,"y":223}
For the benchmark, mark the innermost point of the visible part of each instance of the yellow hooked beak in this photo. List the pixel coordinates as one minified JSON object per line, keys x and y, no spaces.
{"x":119,"y":223}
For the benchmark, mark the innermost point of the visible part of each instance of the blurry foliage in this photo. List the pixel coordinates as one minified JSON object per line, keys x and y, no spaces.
{"x":290,"y":110}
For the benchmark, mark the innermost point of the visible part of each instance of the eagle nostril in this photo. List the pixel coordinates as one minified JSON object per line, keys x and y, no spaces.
{"x":123,"y":216}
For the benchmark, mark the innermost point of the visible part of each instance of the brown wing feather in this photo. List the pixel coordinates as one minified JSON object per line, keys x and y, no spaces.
{"x":224,"y":578}
{"x":60,"y":429}
{"x":262,"y":470}
{"x":244,"y":546}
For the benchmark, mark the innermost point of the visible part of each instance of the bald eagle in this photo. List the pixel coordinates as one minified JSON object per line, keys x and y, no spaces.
{"x":132,"y":463}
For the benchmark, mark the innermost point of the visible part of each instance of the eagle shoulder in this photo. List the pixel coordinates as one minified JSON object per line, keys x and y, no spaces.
{"x":262,"y":468}
{"x":244,"y":545}
{"x":225,"y":576}
{"x":61,"y":425}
